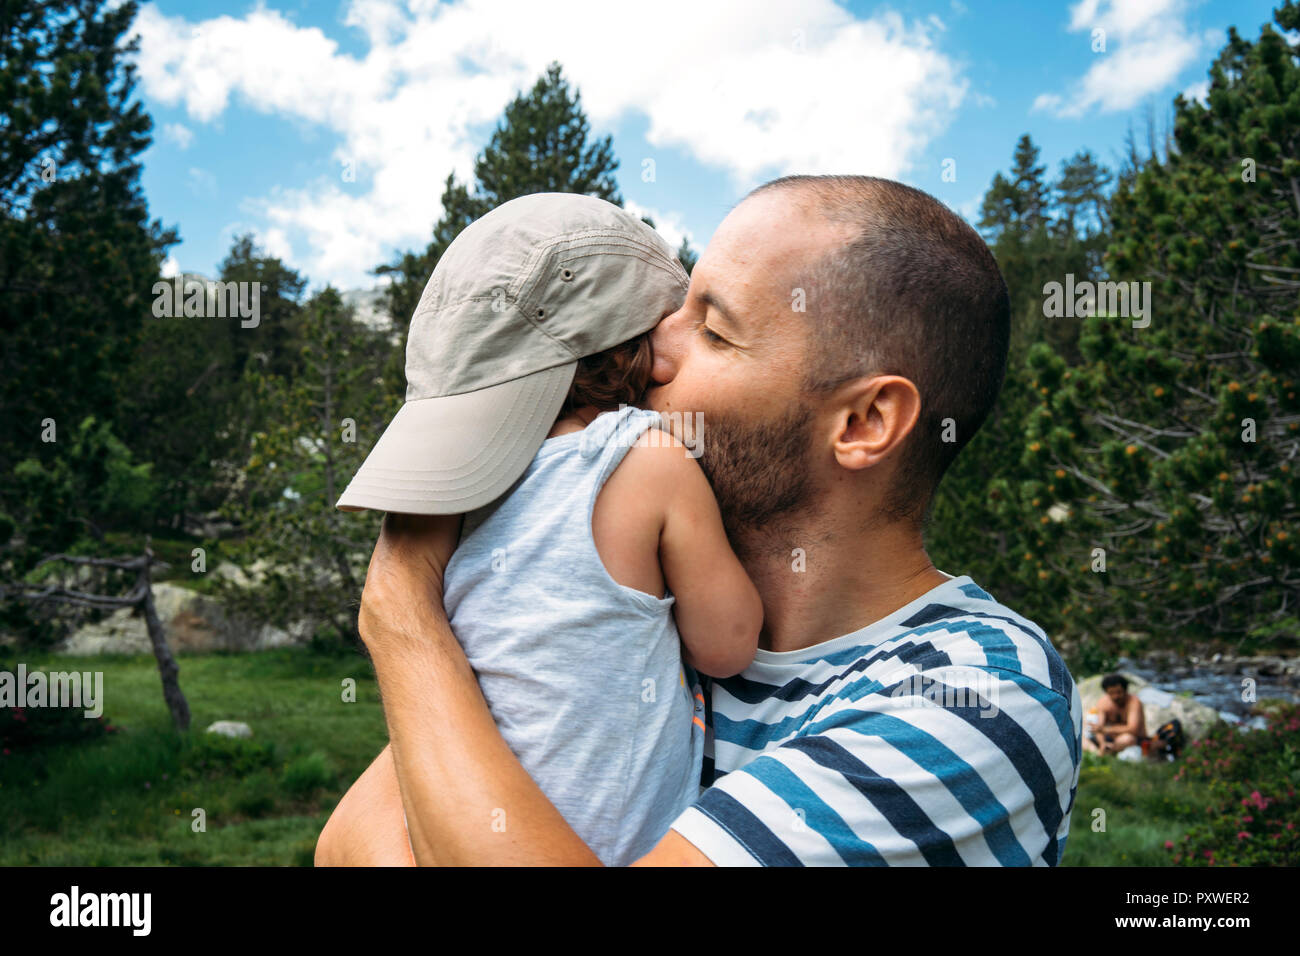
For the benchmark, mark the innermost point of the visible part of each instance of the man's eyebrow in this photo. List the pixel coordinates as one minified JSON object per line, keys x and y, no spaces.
{"x":710,"y":298}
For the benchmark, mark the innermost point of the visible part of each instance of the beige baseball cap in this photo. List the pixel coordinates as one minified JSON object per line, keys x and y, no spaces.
{"x":520,"y":295}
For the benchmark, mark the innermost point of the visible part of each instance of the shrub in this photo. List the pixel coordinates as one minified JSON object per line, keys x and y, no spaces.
{"x":1252,"y":820}
{"x":214,"y":755}
{"x":306,"y":774}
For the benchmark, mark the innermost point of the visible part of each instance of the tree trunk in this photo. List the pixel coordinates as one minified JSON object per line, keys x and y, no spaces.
{"x":167,"y":666}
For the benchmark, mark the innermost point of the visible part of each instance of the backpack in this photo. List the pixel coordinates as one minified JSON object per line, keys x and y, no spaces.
{"x":1169,"y":740}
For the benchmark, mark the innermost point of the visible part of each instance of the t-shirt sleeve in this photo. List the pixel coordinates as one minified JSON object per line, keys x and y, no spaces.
{"x":895,"y":780}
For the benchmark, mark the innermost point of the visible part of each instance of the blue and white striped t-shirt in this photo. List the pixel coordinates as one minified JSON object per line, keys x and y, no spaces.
{"x":945,"y":734}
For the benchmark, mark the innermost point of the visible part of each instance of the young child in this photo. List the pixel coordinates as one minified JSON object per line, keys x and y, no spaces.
{"x":588,"y":573}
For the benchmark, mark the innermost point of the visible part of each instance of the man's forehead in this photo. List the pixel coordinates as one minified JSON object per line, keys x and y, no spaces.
{"x":774,"y":224}
{"x":761,"y":246}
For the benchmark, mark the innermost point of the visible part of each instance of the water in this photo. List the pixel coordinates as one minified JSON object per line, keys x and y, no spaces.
{"x":1220,"y":691}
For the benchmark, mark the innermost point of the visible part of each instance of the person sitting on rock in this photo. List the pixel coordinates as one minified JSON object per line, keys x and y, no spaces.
{"x":1121,"y":721}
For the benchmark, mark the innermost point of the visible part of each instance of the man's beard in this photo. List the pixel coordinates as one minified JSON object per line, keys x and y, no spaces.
{"x":759,"y":470}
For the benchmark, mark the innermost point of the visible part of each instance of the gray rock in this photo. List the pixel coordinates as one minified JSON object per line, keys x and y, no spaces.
{"x":194,"y":623}
{"x":230,"y":728}
{"x":242,"y":577}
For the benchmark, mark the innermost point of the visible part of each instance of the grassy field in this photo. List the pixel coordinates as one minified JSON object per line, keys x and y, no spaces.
{"x":129,"y":797}
{"x":1143,"y":806}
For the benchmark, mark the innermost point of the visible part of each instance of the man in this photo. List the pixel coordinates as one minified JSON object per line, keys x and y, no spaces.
{"x":1122,"y":722}
{"x":844,"y":337}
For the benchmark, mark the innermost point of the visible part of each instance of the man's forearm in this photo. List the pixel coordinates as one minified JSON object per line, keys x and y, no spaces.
{"x":467,"y":798}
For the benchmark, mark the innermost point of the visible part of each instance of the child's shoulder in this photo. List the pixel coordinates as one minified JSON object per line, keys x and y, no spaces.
{"x":657,"y":457}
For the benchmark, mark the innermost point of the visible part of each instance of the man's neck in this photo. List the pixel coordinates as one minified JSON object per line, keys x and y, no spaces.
{"x":818,"y":584}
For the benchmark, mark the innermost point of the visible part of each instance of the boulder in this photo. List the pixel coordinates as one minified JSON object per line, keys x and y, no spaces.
{"x":193,"y":622}
{"x":1158,"y":705}
{"x":230,"y":728}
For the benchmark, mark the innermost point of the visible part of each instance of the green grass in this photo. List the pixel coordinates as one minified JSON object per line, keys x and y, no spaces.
{"x":1144,"y":806}
{"x":128,"y":798}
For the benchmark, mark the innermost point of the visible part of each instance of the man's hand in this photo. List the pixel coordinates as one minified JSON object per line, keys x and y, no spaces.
{"x":405,"y":578}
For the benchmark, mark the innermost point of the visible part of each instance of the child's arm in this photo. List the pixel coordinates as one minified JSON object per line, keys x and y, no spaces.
{"x":718,"y":610}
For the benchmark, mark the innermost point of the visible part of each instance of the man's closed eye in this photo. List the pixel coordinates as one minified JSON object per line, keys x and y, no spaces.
{"x":713,"y":338}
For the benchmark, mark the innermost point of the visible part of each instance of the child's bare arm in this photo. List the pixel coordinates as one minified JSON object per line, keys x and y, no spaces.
{"x":718,"y":610}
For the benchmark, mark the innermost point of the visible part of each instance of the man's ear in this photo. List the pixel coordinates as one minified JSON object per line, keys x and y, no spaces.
{"x":872,"y":418}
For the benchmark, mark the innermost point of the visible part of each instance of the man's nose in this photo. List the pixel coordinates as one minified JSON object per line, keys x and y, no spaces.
{"x":668,"y":342}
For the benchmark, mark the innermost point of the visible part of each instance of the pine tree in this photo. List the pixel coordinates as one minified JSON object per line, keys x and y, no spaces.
{"x":320,"y":422}
{"x":1176,"y":445}
{"x":78,"y":255}
{"x":275,"y":337}
{"x":1038,"y":232}
{"x":1017,"y":204}
{"x":542,"y":143}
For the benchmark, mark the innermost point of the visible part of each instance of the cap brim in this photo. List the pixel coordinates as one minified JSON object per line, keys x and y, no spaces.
{"x":453,"y":454}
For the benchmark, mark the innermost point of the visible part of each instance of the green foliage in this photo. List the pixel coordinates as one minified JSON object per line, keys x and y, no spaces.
{"x":1152,"y":467}
{"x":989,"y":511}
{"x":319,"y":425}
{"x":308,"y":774}
{"x":687,"y":255}
{"x":209,"y":756}
{"x":1145,"y":809}
{"x":183,"y":403}
{"x":92,"y":484}
{"x":77,"y":252}
{"x":1253,"y":818}
{"x":275,"y":339}
{"x":1041,"y":231}
{"x":1175,"y":445}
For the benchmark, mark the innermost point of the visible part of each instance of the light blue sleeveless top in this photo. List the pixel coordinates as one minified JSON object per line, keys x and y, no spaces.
{"x":583,"y":675}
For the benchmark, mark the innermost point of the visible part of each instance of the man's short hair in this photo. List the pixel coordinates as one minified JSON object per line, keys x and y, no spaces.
{"x":1114,"y":680}
{"x":916,"y":293}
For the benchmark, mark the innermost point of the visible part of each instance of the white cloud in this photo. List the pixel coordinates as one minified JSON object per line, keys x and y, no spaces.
{"x":170,"y":267}
{"x":667,"y":224}
{"x":756,"y":88}
{"x":1148,"y":43}
{"x":178,"y":133}
{"x":1199,"y":92}
{"x":1046,"y":101}
{"x":970,"y":209}
{"x":275,"y":243}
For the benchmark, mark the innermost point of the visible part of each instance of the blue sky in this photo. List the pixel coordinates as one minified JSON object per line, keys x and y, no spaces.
{"x":327,"y":128}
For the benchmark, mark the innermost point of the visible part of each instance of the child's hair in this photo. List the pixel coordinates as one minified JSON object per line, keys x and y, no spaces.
{"x":617,"y":376}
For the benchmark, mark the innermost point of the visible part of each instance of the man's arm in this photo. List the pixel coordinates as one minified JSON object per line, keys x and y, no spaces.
{"x":366,"y":827}
{"x":674,"y":850}
{"x":468,"y":800}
